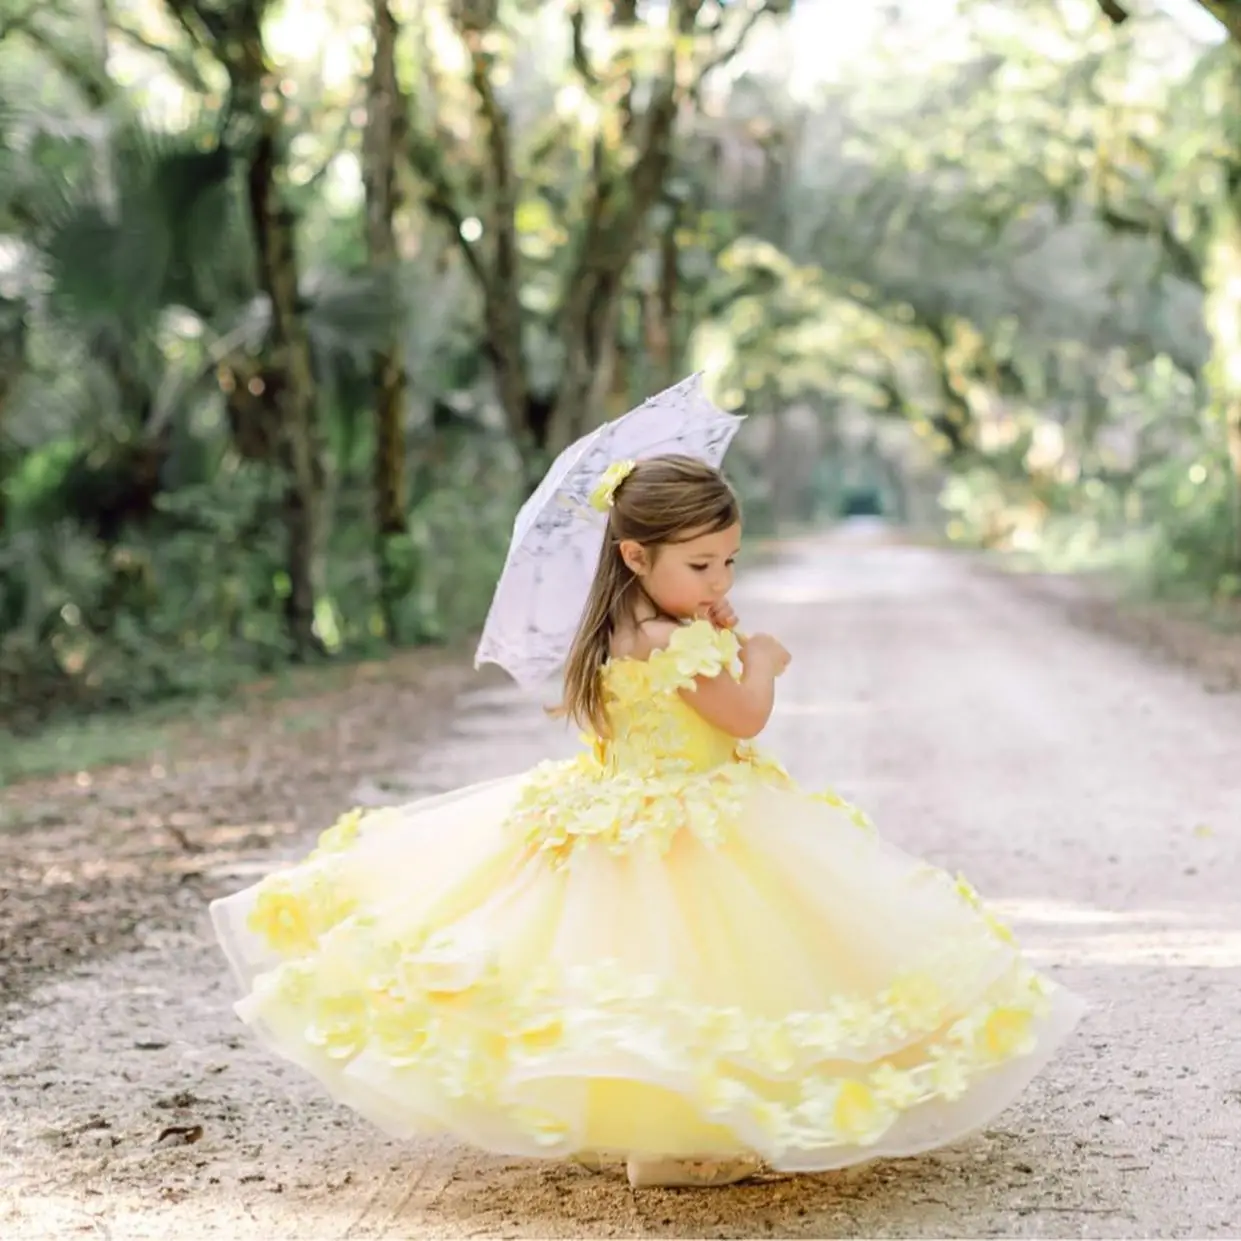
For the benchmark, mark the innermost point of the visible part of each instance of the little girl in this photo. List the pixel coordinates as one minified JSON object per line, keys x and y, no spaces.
{"x":662,"y":951}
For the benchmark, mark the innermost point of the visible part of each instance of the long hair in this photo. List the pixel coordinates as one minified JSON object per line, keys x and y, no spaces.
{"x":667,"y":499}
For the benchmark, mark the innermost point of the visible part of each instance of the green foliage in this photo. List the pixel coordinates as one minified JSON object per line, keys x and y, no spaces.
{"x":1193,"y":504}
{"x":997,"y":260}
{"x":187,"y":603}
{"x":190,"y":604}
{"x":98,"y":740}
{"x":460,"y":532}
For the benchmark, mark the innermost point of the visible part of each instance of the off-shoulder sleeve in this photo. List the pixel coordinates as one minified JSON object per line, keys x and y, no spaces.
{"x":695,"y":650}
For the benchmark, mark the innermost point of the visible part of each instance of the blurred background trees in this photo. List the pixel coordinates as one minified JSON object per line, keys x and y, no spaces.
{"x":297,"y":299}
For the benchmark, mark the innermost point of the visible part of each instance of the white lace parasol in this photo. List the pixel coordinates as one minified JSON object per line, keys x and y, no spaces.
{"x":557,"y":534}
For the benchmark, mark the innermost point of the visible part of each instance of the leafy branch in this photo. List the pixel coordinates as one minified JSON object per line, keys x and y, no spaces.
{"x":1226,"y":12}
{"x":182,"y":65}
{"x":84,"y":71}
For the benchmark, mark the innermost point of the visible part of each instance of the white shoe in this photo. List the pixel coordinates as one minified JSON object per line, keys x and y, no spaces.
{"x":688,"y":1173}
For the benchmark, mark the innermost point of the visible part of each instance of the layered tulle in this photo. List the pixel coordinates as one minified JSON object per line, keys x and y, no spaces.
{"x":679,"y":958}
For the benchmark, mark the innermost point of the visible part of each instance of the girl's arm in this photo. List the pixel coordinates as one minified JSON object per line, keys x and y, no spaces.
{"x":738,"y":707}
{"x":741,"y":707}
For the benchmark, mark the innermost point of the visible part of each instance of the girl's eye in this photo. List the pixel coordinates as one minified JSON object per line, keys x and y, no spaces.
{"x":700,"y":568}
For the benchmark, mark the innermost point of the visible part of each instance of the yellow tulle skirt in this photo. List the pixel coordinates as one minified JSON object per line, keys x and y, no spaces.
{"x":786,"y":984}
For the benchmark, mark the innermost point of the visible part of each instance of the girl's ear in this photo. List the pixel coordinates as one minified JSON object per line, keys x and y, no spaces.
{"x":634,"y":556}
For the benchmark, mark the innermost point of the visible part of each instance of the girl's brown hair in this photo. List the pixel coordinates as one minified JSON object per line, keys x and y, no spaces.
{"x":666,"y":499}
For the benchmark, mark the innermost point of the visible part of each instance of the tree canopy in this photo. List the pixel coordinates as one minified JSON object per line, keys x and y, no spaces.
{"x":297,"y":300}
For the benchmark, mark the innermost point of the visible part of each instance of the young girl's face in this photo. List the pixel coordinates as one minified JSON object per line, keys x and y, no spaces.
{"x":686,"y":579}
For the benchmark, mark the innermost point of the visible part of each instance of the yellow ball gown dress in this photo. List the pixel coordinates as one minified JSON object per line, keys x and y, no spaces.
{"x":662,"y":947}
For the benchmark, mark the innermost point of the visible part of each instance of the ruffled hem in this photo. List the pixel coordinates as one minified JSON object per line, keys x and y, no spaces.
{"x":590,"y":1060}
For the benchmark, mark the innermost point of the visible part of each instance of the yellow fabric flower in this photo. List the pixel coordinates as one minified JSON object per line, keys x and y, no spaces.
{"x":604,"y":495}
{"x":896,"y":1088}
{"x":772,"y":1046}
{"x":338,"y":1025}
{"x":1007,"y":1033}
{"x":823,"y":1031}
{"x":918,"y":1001}
{"x":542,"y":1035}
{"x":290,"y":987}
{"x":950,"y":1077}
{"x":401,"y":1030}
{"x":284,"y":919}
{"x":443,"y":968}
{"x":763,"y":764}
{"x":694,"y":650}
{"x":857,"y":816}
{"x":293,"y":910}
{"x":969,"y":894}
{"x":342,"y":834}
{"x":859,"y":1115}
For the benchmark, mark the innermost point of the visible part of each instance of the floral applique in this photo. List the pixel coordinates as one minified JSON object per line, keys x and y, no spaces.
{"x":294,"y":908}
{"x":470,"y":1041}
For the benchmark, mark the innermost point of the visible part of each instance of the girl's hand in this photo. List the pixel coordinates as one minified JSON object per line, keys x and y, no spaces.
{"x":762,"y":650}
{"x":722,"y":616}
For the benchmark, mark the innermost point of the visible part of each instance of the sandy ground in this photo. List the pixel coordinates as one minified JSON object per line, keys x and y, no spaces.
{"x":1094,"y":795}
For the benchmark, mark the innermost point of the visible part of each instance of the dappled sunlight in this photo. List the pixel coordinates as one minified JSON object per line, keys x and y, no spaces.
{"x":1206,"y":936}
{"x":150,"y":849}
{"x":1051,"y":912}
{"x":1183,"y":949}
{"x":369,"y":1186}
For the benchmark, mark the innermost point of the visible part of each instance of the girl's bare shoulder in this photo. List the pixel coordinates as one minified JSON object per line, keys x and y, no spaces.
{"x":640,"y":641}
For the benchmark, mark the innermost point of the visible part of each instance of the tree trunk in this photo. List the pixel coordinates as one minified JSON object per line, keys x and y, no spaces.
{"x":383,"y":129}
{"x":627,"y":174}
{"x":616,"y":217}
{"x":619,"y":198}
{"x":955,"y":421}
{"x":499,"y":273}
{"x":613,"y":232}
{"x":669,"y":295}
{"x":289,"y":357}
{"x":663,"y":340}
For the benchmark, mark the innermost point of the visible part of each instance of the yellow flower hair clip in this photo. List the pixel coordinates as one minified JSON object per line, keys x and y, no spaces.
{"x":604,"y":495}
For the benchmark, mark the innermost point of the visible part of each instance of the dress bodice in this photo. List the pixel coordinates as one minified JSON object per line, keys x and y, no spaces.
{"x":653,"y":729}
{"x":662,"y":767}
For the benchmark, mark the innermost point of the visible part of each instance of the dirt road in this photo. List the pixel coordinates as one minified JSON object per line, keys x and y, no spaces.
{"x":1095,"y":796}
